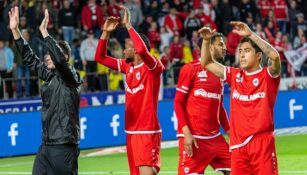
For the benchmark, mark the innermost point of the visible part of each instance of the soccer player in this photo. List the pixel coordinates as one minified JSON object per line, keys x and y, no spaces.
{"x":143,"y":73}
{"x":252,"y":98}
{"x":59,"y":151}
{"x":199,"y":109}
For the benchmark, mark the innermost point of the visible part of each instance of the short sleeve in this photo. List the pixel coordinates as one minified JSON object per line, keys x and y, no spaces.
{"x":184,"y":80}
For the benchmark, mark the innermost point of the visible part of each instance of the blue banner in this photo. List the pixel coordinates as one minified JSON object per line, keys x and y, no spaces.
{"x":89,"y":99}
{"x":20,"y":133}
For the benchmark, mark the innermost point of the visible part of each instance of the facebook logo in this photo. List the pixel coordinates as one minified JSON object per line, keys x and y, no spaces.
{"x":115,"y":124}
{"x":175,"y":121}
{"x":13,"y":133}
{"x":83,"y":127}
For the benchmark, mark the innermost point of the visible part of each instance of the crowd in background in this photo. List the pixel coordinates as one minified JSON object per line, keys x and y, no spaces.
{"x":170,"y":25}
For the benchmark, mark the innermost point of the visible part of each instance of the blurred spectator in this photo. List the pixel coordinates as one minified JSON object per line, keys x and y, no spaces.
{"x":270,"y":31}
{"x":145,"y":24}
{"x":173,"y":21}
{"x":226,"y":16}
{"x":176,"y":55}
{"x":281,"y":15}
{"x":166,"y":35}
{"x":187,"y":53}
{"x":115,"y":80}
{"x":259,"y":31}
{"x":264,"y":6}
{"x":154,"y":10}
{"x":67,"y":21}
{"x":208,"y":10}
{"x":292,"y":13}
{"x":153,"y":35}
{"x":113,"y":8}
{"x":191,"y":24}
{"x":136,"y":13}
{"x":205,"y":20}
{"x":87,"y":54}
{"x":92,"y":17}
{"x":6,"y":69}
{"x":28,"y":10}
{"x":233,"y":41}
{"x":246,"y":8}
{"x":250,"y":22}
{"x":301,"y":23}
{"x":299,"y":39}
{"x":5,"y":7}
{"x":166,"y":61}
{"x":76,"y":54}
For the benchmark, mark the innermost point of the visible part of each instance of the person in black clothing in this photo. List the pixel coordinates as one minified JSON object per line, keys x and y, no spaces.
{"x":59,"y":151}
{"x":67,"y":22}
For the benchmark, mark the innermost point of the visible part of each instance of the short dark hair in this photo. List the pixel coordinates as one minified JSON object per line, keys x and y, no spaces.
{"x":215,"y":36}
{"x":212,"y":40}
{"x":251,"y":42}
{"x":146,"y":40}
{"x":65,"y":47}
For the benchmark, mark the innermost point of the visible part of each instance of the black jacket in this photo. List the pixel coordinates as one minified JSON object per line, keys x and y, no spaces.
{"x":60,"y":94}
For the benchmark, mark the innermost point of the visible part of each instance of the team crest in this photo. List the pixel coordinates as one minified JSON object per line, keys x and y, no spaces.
{"x":202,"y":74}
{"x":138,"y":76}
{"x":255,"y":81}
{"x":239,"y":79}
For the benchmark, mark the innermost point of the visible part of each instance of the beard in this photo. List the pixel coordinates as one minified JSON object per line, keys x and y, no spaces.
{"x":129,"y":59}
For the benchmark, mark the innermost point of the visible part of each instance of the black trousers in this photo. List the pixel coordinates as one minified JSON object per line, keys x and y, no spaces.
{"x":56,"y":160}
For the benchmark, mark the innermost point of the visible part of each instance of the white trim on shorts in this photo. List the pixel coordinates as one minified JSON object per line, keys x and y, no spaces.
{"x":242,"y":144}
{"x":202,"y":137}
{"x":143,"y":132}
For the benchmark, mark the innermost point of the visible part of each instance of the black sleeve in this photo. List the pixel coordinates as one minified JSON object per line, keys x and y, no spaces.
{"x":68,"y":74}
{"x":32,"y":61}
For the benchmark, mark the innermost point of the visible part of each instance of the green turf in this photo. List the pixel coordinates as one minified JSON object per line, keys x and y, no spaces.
{"x":291,"y":151}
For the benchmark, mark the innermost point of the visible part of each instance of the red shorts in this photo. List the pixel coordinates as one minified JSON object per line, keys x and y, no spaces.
{"x":258,"y":157}
{"x":143,"y":150}
{"x":214,"y":152}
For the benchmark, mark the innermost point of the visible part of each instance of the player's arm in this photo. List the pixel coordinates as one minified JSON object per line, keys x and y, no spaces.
{"x":182,"y":90}
{"x":29,"y":58}
{"x":274,"y":59}
{"x":101,"y":50}
{"x":139,"y":44}
{"x":206,"y":57}
{"x":69,"y":75}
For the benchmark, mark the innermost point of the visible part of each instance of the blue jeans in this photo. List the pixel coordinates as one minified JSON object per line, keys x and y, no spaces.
{"x":282,"y":24}
{"x":23,"y":72}
{"x":68,"y":33}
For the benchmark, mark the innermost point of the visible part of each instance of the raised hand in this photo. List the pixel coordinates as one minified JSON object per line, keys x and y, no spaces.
{"x":241,"y":28}
{"x":110,"y":24}
{"x":44,"y":24}
{"x":14,"y":18}
{"x":127,"y":16}
{"x":206,"y":33}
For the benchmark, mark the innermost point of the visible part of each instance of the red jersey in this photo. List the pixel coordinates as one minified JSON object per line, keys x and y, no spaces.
{"x":280,"y":9}
{"x":201,"y":91}
{"x":264,"y":6}
{"x":252,"y":100}
{"x":142,"y":86}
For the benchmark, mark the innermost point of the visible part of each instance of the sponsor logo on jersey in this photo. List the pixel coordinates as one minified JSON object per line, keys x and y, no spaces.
{"x":255,"y":81}
{"x":135,"y":90}
{"x":138,"y":76}
{"x":252,"y":97}
{"x":203,"y":93}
